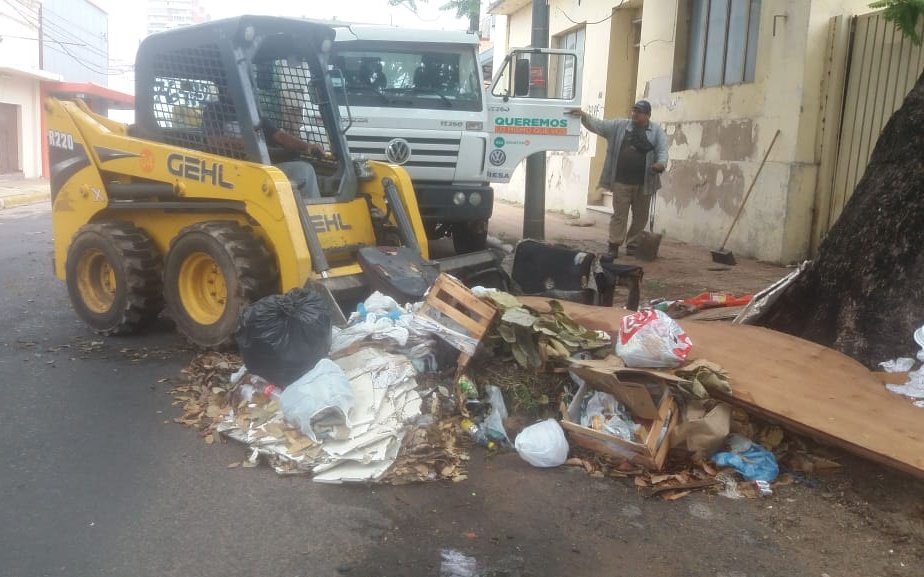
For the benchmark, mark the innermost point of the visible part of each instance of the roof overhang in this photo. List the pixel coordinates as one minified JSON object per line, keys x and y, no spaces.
{"x":30,"y":74}
{"x":88,"y":90}
{"x":507,"y":7}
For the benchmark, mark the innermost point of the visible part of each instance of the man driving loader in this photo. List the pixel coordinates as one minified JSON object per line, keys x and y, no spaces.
{"x":223,"y":131}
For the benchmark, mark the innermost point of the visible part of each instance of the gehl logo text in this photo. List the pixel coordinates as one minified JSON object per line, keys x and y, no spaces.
{"x":329,"y":222}
{"x":197,"y":169}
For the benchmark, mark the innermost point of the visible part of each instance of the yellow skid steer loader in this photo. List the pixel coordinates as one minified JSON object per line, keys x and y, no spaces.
{"x":211,"y":199}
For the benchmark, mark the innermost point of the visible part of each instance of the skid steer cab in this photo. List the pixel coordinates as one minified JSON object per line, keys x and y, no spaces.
{"x":235,"y":182}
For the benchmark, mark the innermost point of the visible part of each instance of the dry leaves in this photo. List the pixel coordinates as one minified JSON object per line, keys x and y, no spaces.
{"x":430,"y":453}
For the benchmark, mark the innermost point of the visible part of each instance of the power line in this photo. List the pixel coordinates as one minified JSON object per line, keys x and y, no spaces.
{"x":49,"y":28}
{"x":586,"y":23}
{"x":64,"y":50}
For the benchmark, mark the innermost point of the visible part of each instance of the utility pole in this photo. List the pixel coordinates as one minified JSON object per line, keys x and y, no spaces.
{"x":41,"y":39}
{"x":534,"y":199}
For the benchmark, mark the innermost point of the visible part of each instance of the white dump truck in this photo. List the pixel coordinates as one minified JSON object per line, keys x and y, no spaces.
{"x":417,"y":98}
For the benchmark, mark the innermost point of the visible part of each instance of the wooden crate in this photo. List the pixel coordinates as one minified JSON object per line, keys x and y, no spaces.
{"x":469,"y":315}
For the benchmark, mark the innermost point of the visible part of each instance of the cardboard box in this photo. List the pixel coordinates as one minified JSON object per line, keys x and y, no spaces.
{"x":647,"y":396}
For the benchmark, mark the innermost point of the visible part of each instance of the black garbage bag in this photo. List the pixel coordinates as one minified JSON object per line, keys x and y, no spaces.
{"x":282,"y":337}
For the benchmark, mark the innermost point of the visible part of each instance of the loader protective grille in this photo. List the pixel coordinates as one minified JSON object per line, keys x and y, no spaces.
{"x":288,"y":100}
{"x":192,"y":103}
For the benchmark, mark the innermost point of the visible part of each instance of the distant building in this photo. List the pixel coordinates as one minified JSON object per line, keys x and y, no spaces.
{"x":55,"y":47}
{"x":167,"y":14}
{"x":75,"y":40}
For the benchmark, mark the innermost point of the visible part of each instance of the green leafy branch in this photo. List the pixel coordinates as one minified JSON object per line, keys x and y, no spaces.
{"x":905,"y":14}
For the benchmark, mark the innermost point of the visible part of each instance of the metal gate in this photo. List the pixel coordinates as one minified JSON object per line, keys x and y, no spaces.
{"x":883,"y":67}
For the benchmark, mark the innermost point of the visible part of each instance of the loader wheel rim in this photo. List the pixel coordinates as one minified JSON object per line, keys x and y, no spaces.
{"x":96,"y":281}
{"x":202,"y":288}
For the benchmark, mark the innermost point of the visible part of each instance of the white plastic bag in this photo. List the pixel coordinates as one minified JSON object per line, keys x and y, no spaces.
{"x":319,"y":403}
{"x":543,"y":444}
{"x":651,"y":339}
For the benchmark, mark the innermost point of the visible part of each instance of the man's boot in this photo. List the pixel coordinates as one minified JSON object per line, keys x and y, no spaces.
{"x":613,"y":250}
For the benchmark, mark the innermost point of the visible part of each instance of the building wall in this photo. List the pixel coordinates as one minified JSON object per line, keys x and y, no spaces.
{"x":717,"y":135}
{"x":24,"y":92}
{"x":75,"y":40}
{"x":19,"y":50}
{"x":19,"y":28}
{"x":167,"y":14}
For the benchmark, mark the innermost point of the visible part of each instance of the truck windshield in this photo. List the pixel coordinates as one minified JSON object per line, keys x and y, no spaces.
{"x":410,"y":78}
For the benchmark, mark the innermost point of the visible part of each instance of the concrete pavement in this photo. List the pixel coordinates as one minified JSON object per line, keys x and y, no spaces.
{"x":22,"y":191}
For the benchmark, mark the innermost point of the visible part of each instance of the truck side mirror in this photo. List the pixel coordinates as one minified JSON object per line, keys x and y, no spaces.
{"x":521,"y":77}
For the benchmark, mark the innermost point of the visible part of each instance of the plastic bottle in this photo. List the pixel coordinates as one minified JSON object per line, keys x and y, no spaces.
{"x":477,"y":434}
{"x":468,"y":388}
{"x":248,"y":391}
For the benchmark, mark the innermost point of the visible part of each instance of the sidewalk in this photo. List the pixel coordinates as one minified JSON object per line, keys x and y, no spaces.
{"x":681,"y":270}
{"x":21,"y":191}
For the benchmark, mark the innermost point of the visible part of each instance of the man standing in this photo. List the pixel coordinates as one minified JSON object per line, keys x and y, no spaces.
{"x":635,"y":158}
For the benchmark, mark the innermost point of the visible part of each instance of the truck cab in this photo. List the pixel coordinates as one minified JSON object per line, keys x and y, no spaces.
{"x":417,"y":98}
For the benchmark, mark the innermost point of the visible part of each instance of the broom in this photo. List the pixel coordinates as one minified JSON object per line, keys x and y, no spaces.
{"x":723,"y":256}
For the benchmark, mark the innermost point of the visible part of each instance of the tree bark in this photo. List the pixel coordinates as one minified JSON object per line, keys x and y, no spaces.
{"x":864,"y":293}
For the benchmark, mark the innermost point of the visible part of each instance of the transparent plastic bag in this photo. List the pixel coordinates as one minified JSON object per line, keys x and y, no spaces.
{"x":319,"y":403}
{"x":494,"y":422}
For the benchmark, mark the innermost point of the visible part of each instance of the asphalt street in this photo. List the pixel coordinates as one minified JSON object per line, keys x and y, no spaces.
{"x":97,"y":480}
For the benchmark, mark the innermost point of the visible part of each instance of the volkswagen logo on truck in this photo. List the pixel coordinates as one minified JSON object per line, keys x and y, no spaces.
{"x":397,"y":151}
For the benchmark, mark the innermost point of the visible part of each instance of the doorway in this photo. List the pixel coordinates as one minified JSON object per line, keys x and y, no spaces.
{"x":9,"y":139}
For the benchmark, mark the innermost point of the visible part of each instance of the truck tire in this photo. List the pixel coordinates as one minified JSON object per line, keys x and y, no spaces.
{"x":469,"y":237}
{"x":113,"y":272}
{"x":213,"y":270}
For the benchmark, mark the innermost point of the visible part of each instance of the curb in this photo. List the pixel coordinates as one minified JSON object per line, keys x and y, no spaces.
{"x":23,"y":199}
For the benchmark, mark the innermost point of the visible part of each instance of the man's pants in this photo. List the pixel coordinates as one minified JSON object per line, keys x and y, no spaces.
{"x":625,"y":197}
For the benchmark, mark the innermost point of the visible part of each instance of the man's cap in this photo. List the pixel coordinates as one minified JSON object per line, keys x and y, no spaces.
{"x":642,"y":106}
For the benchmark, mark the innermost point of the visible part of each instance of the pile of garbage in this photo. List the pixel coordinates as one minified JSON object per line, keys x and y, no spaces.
{"x":390,"y":397}
{"x":913,"y":387}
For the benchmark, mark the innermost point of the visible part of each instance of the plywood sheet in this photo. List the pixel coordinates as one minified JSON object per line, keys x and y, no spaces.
{"x":815,"y":390}
{"x":805,"y":386}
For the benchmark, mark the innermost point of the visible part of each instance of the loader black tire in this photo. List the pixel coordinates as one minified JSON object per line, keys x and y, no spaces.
{"x":213,"y":270}
{"x":114,"y":277}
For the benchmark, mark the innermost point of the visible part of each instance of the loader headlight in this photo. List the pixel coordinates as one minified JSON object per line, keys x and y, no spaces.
{"x":474,"y":198}
{"x":458,"y":198}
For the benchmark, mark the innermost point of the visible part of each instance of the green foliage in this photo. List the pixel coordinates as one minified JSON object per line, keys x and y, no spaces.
{"x":905,"y":14}
{"x":463,"y":8}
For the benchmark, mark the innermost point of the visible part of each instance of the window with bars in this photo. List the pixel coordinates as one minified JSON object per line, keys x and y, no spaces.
{"x":722,"y":42}
{"x":565,"y":75}
{"x":195,"y":107}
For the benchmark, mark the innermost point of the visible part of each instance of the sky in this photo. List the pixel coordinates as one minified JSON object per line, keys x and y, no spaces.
{"x":127,"y":21}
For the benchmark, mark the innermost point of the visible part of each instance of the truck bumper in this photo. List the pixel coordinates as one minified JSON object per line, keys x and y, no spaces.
{"x":437,"y":202}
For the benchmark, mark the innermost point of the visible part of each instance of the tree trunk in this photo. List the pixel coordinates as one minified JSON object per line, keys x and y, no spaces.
{"x":864,"y":293}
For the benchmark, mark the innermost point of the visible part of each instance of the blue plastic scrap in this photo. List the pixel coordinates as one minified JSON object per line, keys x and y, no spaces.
{"x":750,"y":460}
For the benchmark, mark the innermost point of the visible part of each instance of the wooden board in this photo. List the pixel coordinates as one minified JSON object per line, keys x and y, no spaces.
{"x":804,"y":386}
{"x":816,"y":391}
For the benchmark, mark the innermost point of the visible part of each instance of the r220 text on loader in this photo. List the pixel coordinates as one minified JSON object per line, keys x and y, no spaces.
{"x":209,"y":201}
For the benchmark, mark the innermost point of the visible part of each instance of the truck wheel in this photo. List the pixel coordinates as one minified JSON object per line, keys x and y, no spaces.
{"x":214,"y":270}
{"x":113,"y":273}
{"x":470,"y":237}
